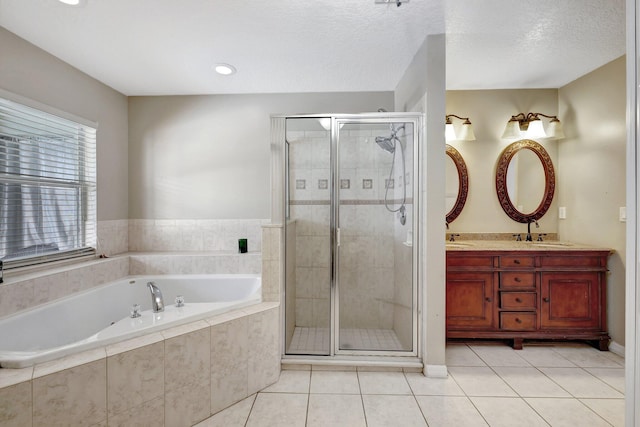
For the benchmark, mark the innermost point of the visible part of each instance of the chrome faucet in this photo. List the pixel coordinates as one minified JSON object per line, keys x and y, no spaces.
{"x":157,"y":303}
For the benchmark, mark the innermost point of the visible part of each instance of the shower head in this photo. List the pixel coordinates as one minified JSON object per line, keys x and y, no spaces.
{"x":387,"y":144}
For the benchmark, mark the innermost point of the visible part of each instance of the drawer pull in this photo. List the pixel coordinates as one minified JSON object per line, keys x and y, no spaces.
{"x":488,"y":299}
{"x":545,"y":299}
{"x":518,"y":320}
{"x":516,"y":261}
{"x":518,"y":300}
{"x":517,"y":279}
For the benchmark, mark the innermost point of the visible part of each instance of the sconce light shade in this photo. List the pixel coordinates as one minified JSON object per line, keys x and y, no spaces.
{"x":536,"y":129}
{"x":449,"y":132}
{"x":512,"y":130}
{"x":530,"y":126}
{"x":466,"y":131}
{"x":555,"y":129}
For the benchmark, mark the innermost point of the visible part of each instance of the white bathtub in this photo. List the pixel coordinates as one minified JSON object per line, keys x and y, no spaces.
{"x":101,"y":316}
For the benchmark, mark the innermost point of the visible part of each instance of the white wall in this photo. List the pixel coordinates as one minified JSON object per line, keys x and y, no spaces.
{"x":197,"y":157}
{"x":422,"y":88}
{"x":592,"y":173}
{"x":489,"y":111}
{"x":30,"y":72}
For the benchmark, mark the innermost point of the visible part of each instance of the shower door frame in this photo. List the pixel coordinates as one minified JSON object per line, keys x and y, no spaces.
{"x":417,"y":121}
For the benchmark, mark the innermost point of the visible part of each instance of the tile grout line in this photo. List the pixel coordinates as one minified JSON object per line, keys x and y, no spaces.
{"x":415,"y":399}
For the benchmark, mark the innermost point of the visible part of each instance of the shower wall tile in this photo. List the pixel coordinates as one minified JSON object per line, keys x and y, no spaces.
{"x":229,"y":363}
{"x":264,"y":355}
{"x":16,"y":405}
{"x":134,"y":378}
{"x":321,"y":153}
{"x":72,"y":396}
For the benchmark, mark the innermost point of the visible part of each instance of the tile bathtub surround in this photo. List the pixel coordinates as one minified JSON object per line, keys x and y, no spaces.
{"x":272,"y":236}
{"x":113,"y":237}
{"x":165,"y":378}
{"x":30,"y":290}
{"x":168,"y":235}
{"x":197,"y":262}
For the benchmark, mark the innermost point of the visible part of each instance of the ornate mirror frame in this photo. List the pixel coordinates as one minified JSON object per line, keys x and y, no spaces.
{"x":463,"y":183}
{"x":501,"y":181}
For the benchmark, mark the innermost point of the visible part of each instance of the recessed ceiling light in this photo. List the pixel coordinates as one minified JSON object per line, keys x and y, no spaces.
{"x":225,"y":69}
{"x":73,"y":2}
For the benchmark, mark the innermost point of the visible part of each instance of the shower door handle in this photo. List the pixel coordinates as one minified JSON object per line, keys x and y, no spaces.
{"x":338,"y":236}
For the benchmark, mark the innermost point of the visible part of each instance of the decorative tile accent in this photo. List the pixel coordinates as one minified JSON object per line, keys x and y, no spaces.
{"x":345,"y":184}
{"x":323,"y":184}
{"x":389,"y":183}
{"x":367,"y":184}
{"x":301,"y":184}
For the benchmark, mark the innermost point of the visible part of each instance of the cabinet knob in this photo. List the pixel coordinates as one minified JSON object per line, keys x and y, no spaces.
{"x":518,"y":320}
{"x":518,"y":300}
{"x":488,"y":299}
{"x":545,"y":299}
{"x":517,"y":279}
{"x":516,"y":261}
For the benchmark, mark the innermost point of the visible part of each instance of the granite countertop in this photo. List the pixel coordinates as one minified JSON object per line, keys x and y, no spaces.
{"x":512,"y":245}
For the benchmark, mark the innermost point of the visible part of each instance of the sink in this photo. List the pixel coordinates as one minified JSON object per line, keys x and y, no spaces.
{"x":458,"y":245}
{"x":553,"y":244}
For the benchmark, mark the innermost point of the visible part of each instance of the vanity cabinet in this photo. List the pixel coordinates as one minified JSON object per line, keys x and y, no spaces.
{"x":532,"y":294}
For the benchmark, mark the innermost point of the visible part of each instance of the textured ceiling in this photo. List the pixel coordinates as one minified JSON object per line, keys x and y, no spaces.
{"x":157,"y":47}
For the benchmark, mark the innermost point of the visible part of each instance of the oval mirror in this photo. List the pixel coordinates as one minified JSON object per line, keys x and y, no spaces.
{"x":456,"y":182}
{"x":525,"y":181}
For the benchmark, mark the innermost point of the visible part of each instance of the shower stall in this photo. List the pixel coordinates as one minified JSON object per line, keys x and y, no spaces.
{"x":350,"y":204}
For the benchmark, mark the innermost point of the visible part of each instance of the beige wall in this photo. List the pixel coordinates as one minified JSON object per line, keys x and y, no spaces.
{"x":591,"y":173}
{"x":422,"y":89}
{"x":30,"y":72}
{"x":489,"y":111}
{"x":195,"y":157}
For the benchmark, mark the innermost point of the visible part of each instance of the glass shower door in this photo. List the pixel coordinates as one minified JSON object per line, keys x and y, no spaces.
{"x":307,"y":233}
{"x":375,"y":286}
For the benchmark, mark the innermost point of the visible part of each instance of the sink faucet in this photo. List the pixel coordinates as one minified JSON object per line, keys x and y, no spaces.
{"x":157,"y":303}
{"x":529,"y":221}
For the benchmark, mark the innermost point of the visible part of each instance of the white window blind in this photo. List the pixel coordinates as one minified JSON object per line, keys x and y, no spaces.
{"x":47,"y":186}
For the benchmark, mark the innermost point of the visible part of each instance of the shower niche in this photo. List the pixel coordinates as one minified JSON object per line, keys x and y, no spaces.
{"x":350,"y":216}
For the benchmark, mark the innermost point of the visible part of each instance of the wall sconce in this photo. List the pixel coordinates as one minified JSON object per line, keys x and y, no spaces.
{"x":466,"y":131}
{"x":530,"y":126}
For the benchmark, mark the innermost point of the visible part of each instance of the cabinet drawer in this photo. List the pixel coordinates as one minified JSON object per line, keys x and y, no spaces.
{"x":518,"y":300}
{"x":517,"y":279}
{"x":518,"y":321}
{"x":469,"y":261}
{"x":516,"y":261}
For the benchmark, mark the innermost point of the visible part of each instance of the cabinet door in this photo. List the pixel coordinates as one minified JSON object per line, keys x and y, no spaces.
{"x":470,"y":300}
{"x":570,"y":300}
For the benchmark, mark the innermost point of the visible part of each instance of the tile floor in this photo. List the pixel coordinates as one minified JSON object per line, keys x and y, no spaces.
{"x":488,"y":385}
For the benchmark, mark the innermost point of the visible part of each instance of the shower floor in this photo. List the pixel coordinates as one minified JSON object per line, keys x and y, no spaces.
{"x":316,"y":340}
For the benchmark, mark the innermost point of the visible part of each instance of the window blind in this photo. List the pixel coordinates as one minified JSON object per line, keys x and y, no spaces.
{"x":47,"y":186}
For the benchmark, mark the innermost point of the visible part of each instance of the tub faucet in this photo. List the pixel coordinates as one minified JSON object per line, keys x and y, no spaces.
{"x":157,"y":303}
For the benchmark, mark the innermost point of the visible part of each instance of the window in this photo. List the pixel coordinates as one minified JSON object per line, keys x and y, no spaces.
{"x":47,"y":186}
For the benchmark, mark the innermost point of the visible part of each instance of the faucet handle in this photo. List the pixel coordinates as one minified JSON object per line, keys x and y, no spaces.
{"x":135,"y":311}
{"x":179,"y":300}
{"x":539,"y":239}
{"x":518,"y":237}
{"x":453,"y":236}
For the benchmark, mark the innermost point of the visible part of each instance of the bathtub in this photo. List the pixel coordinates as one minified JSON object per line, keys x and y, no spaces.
{"x":101,"y":316}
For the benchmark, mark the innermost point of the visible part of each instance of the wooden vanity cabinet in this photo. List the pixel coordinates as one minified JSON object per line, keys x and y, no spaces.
{"x":536,"y":294}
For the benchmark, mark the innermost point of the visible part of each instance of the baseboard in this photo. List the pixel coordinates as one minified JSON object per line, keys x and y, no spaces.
{"x":436,"y":371}
{"x":616,"y":348}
